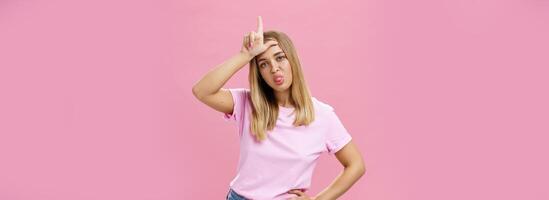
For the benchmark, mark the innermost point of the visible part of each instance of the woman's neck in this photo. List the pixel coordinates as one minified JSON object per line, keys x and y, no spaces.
{"x":283,"y":98}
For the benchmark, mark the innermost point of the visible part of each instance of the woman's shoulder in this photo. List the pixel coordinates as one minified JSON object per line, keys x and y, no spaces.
{"x":321,"y":106}
{"x":240,"y":95}
{"x":240,"y":92}
{"x":240,"y":89}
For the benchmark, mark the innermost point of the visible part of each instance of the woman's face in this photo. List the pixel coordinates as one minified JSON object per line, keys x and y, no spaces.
{"x":275,"y":68}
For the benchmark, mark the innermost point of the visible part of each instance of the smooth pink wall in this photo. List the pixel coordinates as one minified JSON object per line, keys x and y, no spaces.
{"x":446,"y":99}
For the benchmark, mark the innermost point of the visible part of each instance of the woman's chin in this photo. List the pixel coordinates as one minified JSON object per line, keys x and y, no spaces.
{"x":280,"y":88}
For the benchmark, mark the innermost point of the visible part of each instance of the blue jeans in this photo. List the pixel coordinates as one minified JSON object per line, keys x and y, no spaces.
{"x":232,"y":195}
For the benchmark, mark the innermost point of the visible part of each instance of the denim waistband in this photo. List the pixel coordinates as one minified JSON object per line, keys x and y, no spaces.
{"x":232,"y":195}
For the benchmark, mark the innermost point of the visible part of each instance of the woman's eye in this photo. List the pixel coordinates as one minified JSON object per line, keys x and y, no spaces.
{"x":262,"y":65}
{"x":280,"y":58}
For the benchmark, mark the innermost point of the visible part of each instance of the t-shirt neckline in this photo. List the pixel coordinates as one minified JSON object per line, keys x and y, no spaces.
{"x":282,"y":108}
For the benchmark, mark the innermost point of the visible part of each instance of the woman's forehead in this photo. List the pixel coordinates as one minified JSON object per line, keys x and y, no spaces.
{"x":270,"y":52}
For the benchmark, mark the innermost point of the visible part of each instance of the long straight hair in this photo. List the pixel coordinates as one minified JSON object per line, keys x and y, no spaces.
{"x":264,"y":106}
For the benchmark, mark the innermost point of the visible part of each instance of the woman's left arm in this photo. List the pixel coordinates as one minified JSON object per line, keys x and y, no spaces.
{"x":350,"y":158}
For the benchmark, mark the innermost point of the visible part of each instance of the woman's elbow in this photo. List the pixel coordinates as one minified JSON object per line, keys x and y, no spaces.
{"x":197,"y":92}
{"x":360,"y":168}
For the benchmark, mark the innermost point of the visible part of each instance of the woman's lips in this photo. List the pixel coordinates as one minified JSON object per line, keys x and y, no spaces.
{"x":279,"y":80}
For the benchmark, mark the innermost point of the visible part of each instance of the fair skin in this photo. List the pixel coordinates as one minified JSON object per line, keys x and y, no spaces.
{"x":273,"y":64}
{"x":276,"y":71}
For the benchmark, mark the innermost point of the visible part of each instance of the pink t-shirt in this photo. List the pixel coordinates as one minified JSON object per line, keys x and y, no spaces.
{"x":286,"y":159}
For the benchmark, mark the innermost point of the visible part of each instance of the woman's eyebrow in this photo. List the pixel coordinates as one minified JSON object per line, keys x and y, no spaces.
{"x":276,"y":54}
{"x":261,"y":59}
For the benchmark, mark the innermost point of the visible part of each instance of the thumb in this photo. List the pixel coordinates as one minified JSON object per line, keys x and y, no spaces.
{"x":296,"y":192}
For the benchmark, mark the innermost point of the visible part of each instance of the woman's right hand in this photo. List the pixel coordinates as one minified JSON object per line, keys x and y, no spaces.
{"x":253,"y":41}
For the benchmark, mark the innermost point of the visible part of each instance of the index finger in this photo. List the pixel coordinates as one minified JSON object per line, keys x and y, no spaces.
{"x":259,"y":25}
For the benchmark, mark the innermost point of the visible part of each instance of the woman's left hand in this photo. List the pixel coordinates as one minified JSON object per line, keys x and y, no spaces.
{"x":300,"y":195}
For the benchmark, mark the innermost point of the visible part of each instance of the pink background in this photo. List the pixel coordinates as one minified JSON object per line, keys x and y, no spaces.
{"x":446,"y":99}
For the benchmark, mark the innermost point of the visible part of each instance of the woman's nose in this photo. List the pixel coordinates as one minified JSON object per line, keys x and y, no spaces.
{"x":275,"y":67}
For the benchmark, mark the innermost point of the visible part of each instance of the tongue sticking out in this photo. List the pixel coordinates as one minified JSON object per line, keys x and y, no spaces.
{"x":279,"y":80}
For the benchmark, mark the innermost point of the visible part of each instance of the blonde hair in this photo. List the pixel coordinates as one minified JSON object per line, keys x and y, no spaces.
{"x":264,"y":105}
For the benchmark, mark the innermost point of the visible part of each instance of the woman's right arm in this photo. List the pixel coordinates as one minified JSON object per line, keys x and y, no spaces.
{"x":209,"y":89}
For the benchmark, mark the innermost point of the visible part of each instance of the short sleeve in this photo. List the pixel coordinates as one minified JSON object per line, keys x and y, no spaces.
{"x":337,"y":136}
{"x":240,"y":98}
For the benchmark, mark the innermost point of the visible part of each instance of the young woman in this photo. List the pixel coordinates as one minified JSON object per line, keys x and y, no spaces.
{"x":282,"y":128}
